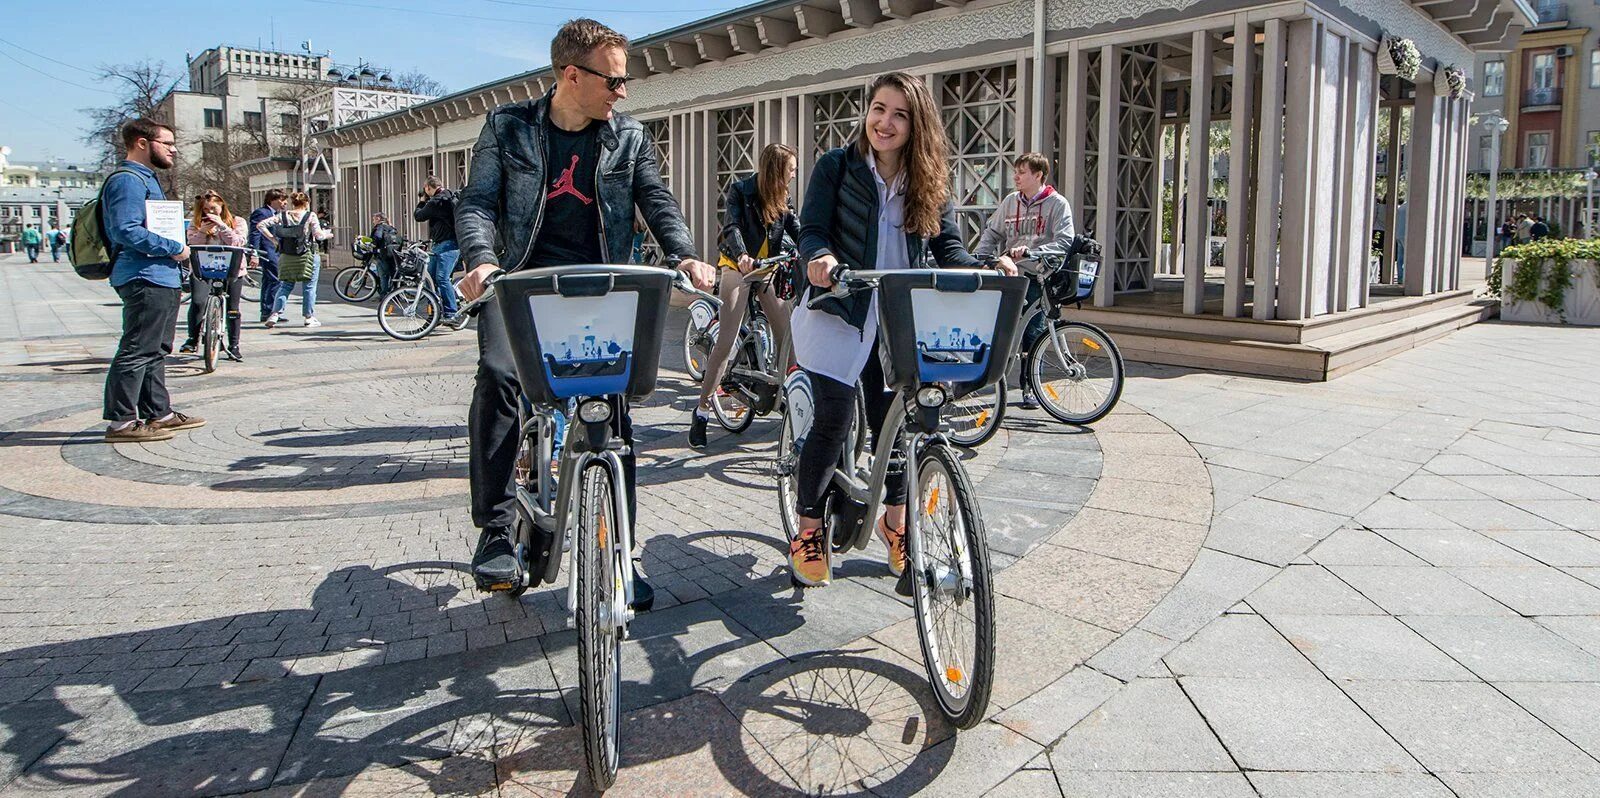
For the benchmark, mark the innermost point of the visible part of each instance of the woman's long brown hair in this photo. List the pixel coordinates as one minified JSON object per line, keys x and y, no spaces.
{"x":198,"y":213}
{"x":772,"y":180}
{"x":926,"y":159}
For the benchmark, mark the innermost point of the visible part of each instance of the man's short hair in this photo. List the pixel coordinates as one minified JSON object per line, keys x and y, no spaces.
{"x":274,"y":195}
{"x":1035,"y":163}
{"x":580,"y":37}
{"x":141,"y":128}
{"x":433,"y":182}
{"x":380,"y":216}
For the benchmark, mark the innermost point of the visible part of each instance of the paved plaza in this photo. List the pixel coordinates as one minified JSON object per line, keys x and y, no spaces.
{"x":1232,"y":586}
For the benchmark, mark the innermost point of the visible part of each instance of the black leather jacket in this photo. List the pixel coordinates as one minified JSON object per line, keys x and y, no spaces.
{"x":743,"y":229}
{"x":840,"y":218}
{"x":439,"y":212}
{"x":509,"y":182}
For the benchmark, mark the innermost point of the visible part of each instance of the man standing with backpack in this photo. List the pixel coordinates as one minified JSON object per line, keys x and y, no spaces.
{"x":437,"y":207}
{"x":144,"y":272}
{"x":57,"y":241}
{"x":275,"y":199}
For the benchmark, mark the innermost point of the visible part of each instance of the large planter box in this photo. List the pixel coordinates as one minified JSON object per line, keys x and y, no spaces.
{"x":1582,"y":304}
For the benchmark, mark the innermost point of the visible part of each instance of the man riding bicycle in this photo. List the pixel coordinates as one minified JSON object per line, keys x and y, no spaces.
{"x":1034,"y":217}
{"x":554,"y":183}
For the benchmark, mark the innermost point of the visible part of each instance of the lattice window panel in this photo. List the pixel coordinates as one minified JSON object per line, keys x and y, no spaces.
{"x":1138,"y":148}
{"x":660,"y":132}
{"x":1087,"y":215}
{"x":736,"y":148}
{"x":980,"y":116}
{"x":834,"y":117}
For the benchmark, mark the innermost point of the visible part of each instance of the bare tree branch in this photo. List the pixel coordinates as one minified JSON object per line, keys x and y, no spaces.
{"x":142,"y":85}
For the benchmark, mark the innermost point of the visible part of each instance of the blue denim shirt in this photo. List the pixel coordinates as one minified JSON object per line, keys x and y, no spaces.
{"x":144,"y":255}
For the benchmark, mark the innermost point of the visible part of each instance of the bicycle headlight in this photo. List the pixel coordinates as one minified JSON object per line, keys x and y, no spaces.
{"x":595,"y":411}
{"x":932,"y":396}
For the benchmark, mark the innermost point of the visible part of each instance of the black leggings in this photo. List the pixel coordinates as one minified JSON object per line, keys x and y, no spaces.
{"x":835,"y":406}
{"x":200,"y":291}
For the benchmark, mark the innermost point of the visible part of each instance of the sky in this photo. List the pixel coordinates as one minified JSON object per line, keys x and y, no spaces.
{"x":50,"y":49}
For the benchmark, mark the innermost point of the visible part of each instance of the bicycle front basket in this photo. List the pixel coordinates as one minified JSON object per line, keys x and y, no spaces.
{"x":953,"y":326}
{"x":585,"y":330}
{"x":214,"y":262}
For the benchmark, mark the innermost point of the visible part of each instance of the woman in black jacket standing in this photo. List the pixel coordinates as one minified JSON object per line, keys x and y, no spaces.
{"x":881,"y":202}
{"x":756,"y":217}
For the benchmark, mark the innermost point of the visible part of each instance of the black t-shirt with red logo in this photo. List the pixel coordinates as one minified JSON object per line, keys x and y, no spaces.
{"x":570,"y":232}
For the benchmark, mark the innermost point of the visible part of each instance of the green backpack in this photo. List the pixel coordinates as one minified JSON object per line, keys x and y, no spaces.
{"x":91,"y":252}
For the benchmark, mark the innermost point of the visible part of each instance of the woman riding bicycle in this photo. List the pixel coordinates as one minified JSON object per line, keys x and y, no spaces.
{"x":210,"y":222}
{"x":757,"y":217}
{"x":881,"y":202}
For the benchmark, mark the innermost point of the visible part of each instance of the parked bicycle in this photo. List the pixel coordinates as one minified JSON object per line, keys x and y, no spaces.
{"x":360,"y":282}
{"x":1075,"y":370}
{"x":214,"y":263}
{"x":752,"y":381}
{"x":947,"y":332}
{"x":412,"y":309}
{"x":589,"y":334}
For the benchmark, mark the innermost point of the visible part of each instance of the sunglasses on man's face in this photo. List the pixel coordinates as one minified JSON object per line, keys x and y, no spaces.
{"x":613,"y":82}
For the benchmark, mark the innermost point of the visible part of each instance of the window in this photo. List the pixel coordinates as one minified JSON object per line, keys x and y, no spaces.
{"x":1592,"y":152}
{"x":1494,"y":78}
{"x":1538,"y":151}
{"x":289,"y":122}
{"x":213,"y":117}
{"x":1544,"y":72}
{"x":1594,"y":69}
{"x":252,"y":120}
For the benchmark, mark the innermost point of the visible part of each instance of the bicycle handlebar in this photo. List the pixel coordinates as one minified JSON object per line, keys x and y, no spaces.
{"x":488,"y":293}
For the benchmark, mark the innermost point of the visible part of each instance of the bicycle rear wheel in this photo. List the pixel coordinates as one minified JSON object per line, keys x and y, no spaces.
{"x":699,"y":334}
{"x":355,"y":284}
{"x":1077,"y":372}
{"x":409,"y":313}
{"x":950,"y":585}
{"x":600,"y":574}
{"x":250,"y":291}
{"x":975,"y":418}
{"x":211,"y":334}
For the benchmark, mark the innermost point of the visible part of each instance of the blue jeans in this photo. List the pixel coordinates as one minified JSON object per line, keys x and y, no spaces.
{"x":441,"y":264}
{"x":308,"y":292}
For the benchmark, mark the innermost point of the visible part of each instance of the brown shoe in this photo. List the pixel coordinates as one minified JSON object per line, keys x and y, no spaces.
{"x":178,"y":421}
{"x":895,"y":541}
{"x":139,"y":432}
{"x":809,"y":561}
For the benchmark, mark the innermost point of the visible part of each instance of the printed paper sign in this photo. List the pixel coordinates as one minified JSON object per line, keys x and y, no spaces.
{"x":165,"y":219}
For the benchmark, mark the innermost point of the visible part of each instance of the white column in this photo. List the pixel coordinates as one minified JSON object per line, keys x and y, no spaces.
{"x":1106,"y":214}
{"x":1366,"y":65}
{"x":1269,"y":170}
{"x":1458,"y":179}
{"x":1072,"y":133}
{"x":1330,"y":151}
{"x":806,"y":147}
{"x":1422,"y":217}
{"x":1299,"y":169}
{"x":1180,"y":187}
{"x":1197,"y":249}
{"x":1236,"y":255}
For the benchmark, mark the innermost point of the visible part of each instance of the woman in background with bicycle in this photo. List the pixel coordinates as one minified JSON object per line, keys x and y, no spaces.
{"x":757,"y":216}
{"x":211,"y":222}
{"x":295,"y":232}
{"x":881,"y":202}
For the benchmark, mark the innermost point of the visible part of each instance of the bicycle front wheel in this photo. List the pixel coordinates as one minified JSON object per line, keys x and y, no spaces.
{"x":1077,"y":372}
{"x":355,"y":284}
{"x":250,"y":291}
{"x":409,"y":313}
{"x":211,"y":337}
{"x":950,"y":586}
{"x":600,"y":574}
{"x":699,"y":334}
{"x":975,"y":418}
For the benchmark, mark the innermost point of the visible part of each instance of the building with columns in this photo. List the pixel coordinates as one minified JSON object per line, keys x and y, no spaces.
{"x":1269,"y":266}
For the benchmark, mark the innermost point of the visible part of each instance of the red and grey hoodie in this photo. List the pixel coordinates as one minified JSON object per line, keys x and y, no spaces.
{"x":1043,"y":221}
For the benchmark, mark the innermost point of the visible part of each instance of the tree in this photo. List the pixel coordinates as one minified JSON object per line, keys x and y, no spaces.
{"x":415,"y":82}
{"x":140,"y":87}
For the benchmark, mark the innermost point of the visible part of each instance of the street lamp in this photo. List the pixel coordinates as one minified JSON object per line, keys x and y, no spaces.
{"x":1496,"y":125}
{"x":1588,"y":211}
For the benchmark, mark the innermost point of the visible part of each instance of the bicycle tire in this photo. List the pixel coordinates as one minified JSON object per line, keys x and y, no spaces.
{"x":405,"y":303}
{"x":1079,"y":377}
{"x":731,"y":410}
{"x":987,"y":406}
{"x":250,"y":289}
{"x":788,"y":491}
{"x":211,"y":334}
{"x":697,"y":343}
{"x":355,"y":284}
{"x":963,"y":527}
{"x":599,"y":650}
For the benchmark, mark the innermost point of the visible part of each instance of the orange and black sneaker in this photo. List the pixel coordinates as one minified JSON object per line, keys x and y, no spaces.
{"x":809,"y":560}
{"x":895,"y":541}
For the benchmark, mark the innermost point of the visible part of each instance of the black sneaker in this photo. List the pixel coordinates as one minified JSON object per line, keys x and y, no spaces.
{"x":697,"y":431}
{"x":494,"y":564}
{"x":188,"y":347}
{"x":234,"y":354}
{"x":1029,"y":401}
{"x":644,"y":596}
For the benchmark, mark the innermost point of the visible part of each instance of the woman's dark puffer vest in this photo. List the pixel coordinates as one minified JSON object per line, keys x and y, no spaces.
{"x":840,"y":218}
{"x":743,"y":229}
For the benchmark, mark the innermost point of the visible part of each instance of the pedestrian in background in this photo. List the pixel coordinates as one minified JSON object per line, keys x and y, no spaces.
{"x":57,"y":241}
{"x":437,"y":206}
{"x":30,"y":243}
{"x":275,"y":201}
{"x":211,"y":222}
{"x":296,"y":232}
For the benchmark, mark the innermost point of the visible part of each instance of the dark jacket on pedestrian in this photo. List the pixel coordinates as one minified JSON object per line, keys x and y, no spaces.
{"x":840,"y":218}
{"x":256,"y":240}
{"x":743,"y":229}
{"x":502,"y":206}
{"x":439,"y":211}
{"x":1540,"y":229}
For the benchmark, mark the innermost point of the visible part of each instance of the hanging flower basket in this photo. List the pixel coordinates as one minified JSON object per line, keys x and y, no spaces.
{"x":1450,"y":81}
{"x":1399,"y":57}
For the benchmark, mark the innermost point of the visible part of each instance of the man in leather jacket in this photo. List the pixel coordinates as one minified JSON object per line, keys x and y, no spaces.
{"x":554,"y":182}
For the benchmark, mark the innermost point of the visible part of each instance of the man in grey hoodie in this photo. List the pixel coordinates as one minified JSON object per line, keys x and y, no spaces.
{"x":1034,"y":217}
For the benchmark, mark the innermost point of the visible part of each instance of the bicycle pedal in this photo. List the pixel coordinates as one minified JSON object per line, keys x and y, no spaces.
{"x":902,"y":586}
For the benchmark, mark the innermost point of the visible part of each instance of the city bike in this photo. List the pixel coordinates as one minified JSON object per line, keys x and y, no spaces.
{"x":752,"y":380}
{"x":590,"y":336}
{"x":946,"y":333}
{"x":412,"y":308}
{"x":1074,"y":370}
{"x":214,"y":263}
{"x":360,"y":282}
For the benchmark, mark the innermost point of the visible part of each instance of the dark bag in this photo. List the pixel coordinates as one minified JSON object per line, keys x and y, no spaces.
{"x":92,"y":253}
{"x":294,"y":238}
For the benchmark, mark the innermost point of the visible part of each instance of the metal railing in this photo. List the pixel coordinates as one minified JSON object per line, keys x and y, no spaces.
{"x":1541,"y":96}
{"x":1550,"y":13}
